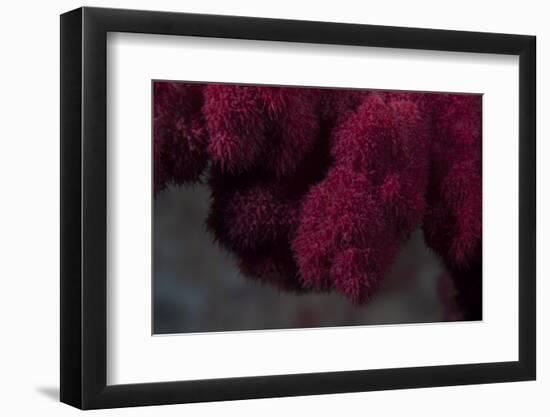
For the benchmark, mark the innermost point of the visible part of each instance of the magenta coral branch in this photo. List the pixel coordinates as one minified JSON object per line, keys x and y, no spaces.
{"x":353,"y":222}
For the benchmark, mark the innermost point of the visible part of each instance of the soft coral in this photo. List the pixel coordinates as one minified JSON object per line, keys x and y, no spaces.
{"x":353,"y":222}
{"x":317,"y":188}
{"x":179,"y":134}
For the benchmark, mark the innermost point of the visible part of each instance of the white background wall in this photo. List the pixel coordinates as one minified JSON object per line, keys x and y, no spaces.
{"x":29,"y":225}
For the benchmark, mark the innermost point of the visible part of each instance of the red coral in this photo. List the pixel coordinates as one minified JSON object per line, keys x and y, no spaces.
{"x":337,"y":105}
{"x":249,"y":210}
{"x":236,"y":125}
{"x":452,"y":224}
{"x":353,"y":222}
{"x":293,"y":127}
{"x":318,"y":188}
{"x":273,"y":264}
{"x":255,"y":215}
{"x":269,"y":127}
{"x":179,"y":134}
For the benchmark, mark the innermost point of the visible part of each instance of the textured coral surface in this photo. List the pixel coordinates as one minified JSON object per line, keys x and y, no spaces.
{"x":317,"y":189}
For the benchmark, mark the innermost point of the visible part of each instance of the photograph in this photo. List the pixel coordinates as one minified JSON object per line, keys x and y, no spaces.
{"x":268,"y":209}
{"x":292,"y":207}
{"x":254,"y":206}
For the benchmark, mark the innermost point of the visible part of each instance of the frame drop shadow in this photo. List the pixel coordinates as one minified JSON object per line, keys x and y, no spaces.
{"x":51,"y":393}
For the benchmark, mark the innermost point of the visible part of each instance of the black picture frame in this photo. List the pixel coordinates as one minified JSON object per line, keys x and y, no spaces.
{"x":84,"y":198}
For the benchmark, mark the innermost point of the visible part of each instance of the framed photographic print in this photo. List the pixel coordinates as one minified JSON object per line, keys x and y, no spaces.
{"x":256,"y":208}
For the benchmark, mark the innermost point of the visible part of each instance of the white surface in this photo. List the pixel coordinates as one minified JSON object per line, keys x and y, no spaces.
{"x":29,"y":304}
{"x":134,"y":356}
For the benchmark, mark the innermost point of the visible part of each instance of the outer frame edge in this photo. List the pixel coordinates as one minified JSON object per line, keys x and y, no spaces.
{"x":70,"y":216}
{"x":527,"y":207}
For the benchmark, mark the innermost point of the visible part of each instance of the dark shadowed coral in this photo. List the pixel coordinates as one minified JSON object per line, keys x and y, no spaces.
{"x":452,"y":222}
{"x":255,"y":215}
{"x":254,"y":218}
{"x":274,"y":264}
{"x":317,"y":189}
{"x":336,"y":105}
{"x":249,"y":210}
{"x":179,"y":134}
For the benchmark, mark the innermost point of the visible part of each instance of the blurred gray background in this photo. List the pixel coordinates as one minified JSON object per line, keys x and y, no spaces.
{"x":197,"y":287}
